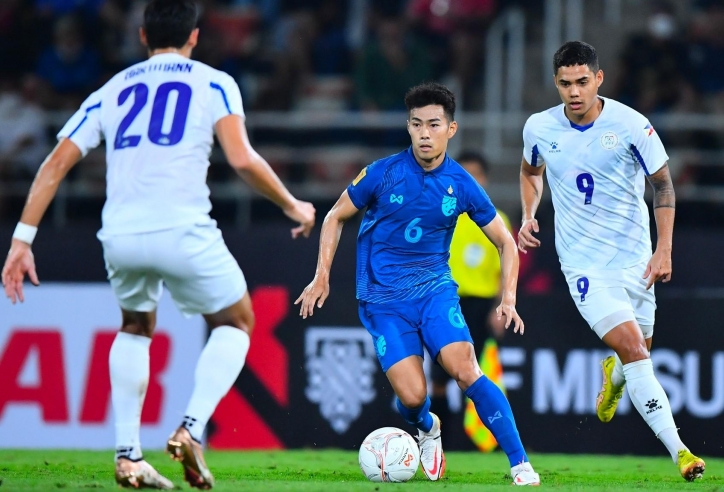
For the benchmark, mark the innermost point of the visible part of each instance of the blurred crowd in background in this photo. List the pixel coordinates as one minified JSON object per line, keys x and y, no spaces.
{"x":295,"y":55}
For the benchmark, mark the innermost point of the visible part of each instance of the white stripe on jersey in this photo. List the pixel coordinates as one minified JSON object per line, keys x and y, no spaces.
{"x":157,"y":118}
{"x":596,"y":175}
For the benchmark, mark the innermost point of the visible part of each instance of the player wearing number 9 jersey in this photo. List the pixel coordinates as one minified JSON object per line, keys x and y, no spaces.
{"x":407,"y":297}
{"x":598,"y":153}
{"x":158,"y":119}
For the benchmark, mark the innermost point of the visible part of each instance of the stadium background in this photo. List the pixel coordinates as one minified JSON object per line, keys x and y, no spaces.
{"x":323,"y":83}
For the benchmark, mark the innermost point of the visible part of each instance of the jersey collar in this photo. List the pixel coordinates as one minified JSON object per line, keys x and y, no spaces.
{"x":583,"y":128}
{"x":416,"y":168}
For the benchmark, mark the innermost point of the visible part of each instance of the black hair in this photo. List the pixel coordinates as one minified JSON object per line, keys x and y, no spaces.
{"x":575,"y":53}
{"x":169,"y":23}
{"x":474,"y":157}
{"x":431,"y":93}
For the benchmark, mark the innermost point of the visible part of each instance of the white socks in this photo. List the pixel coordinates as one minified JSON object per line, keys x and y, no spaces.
{"x":129,"y":370}
{"x":218,"y":367}
{"x":617,"y":377}
{"x":652,"y":403}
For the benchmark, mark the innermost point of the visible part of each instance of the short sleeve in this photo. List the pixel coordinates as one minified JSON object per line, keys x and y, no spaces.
{"x":647,"y":148}
{"x":225,"y":97}
{"x":364,"y":187}
{"x":479,"y":207}
{"x":530,"y":145}
{"x":84,"y":127}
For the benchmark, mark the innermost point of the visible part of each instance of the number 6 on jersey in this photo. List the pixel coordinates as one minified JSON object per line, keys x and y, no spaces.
{"x":585,"y":185}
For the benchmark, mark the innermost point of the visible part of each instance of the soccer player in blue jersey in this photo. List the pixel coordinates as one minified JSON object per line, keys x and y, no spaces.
{"x":407,"y":297}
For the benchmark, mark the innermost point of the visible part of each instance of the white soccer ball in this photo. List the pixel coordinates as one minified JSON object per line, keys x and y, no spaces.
{"x":389,"y":454}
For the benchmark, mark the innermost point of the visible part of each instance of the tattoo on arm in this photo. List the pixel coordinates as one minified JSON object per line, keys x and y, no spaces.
{"x":664,"y":195}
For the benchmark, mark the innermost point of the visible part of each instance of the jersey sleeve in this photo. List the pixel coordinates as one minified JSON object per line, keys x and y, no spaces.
{"x":365,"y":186}
{"x":479,"y":207}
{"x":84,"y":127}
{"x":530,"y":145}
{"x":225,"y":97}
{"x":646,"y":147}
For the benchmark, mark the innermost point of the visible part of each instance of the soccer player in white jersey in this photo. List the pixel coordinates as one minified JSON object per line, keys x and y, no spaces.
{"x":158,"y":119}
{"x":598,"y":153}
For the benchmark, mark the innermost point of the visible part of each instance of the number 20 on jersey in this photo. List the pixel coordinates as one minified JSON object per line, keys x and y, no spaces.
{"x":156,"y":133}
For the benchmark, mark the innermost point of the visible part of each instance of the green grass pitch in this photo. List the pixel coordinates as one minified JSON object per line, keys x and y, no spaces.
{"x":334,"y":470}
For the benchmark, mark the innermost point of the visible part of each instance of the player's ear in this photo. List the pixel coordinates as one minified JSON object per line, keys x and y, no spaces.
{"x":142,"y":36}
{"x":452,"y":130}
{"x":599,"y":78}
{"x":193,"y":38}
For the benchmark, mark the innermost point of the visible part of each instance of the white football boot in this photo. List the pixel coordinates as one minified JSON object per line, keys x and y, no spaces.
{"x":432,"y":459}
{"x":523,"y":474}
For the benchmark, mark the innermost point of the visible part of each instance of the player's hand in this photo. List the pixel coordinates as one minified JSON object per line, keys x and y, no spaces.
{"x":315,"y":293}
{"x":20,"y":261}
{"x":525,"y":235}
{"x":508,"y":311}
{"x":659,"y":267}
{"x":304,"y":213}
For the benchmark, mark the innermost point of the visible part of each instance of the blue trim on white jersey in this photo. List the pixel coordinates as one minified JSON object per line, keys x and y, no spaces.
{"x":639,"y":158}
{"x":223,"y":94}
{"x":581,"y":128}
{"x":88,"y":110}
{"x":534,"y":156}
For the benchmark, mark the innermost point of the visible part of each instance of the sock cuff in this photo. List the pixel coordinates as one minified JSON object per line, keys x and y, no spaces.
{"x":638,"y":369}
{"x":230,"y":334}
{"x":124,"y":337}
{"x":474,"y":388}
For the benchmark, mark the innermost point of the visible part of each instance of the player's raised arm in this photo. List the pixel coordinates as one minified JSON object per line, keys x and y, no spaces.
{"x":20,"y":261}
{"x":659,"y":267}
{"x":531,"y":191}
{"x":252,"y":167}
{"x":318,"y":290}
{"x":499,"y":235}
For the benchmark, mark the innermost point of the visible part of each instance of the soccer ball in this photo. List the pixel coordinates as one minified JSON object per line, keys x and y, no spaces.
{"x":389,"y":454}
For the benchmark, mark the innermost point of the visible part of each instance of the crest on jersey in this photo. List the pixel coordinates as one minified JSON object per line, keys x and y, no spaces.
{"x":649,"y":130}
{"x":609,"y":140}
{"x":341,"y":366}
{"x":448,"y":205}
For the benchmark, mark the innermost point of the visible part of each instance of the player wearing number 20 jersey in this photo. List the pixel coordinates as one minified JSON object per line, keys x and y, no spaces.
{"x":157,"y":118}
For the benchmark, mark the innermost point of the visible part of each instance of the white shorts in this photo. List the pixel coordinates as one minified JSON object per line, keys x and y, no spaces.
{"x":607,"y":298}
{"x":193,"y":261}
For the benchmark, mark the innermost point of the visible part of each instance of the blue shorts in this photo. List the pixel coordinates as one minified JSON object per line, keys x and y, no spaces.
{"x":399,"y":329}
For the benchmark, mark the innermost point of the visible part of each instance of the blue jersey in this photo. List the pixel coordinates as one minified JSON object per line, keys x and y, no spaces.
{"x":403,"y":244}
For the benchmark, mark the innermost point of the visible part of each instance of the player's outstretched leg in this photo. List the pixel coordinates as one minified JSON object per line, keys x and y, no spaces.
{"x":649,"y":397}
{"x":218,"y":367}
{"x":128,"y":363}
{"x":611,"y":389}
{"x":494,"y":411}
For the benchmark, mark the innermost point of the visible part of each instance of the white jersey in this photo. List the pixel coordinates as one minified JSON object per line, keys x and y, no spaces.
{"x":157,"y":118}
{"x":596,"y":175}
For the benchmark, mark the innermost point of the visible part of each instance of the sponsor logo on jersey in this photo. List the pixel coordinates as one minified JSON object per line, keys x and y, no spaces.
{"x":359,"y":177}
{"x":340,"y":368}
{"x":448,"y":205}
{"x":609,"y":140}
{"x":649,"y":130}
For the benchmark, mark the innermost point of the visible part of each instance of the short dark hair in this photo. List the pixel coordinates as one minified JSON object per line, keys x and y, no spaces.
{"x":575,"y":53}
{"x":169,"y":23}
{"x":475,"y":157}
{"x":431,"y":93}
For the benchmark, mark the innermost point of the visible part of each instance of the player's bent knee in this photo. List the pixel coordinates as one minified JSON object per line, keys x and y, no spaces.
{"x":137,"y":323}
{"x":633,"y":352}
{"x":467,"y":376}
{"x":239,"y":315}
{"x":412,"y":399}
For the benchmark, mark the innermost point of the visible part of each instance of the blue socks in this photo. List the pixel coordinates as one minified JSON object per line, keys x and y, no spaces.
{"x":495,"y":412}
{"x":419,"y":417}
